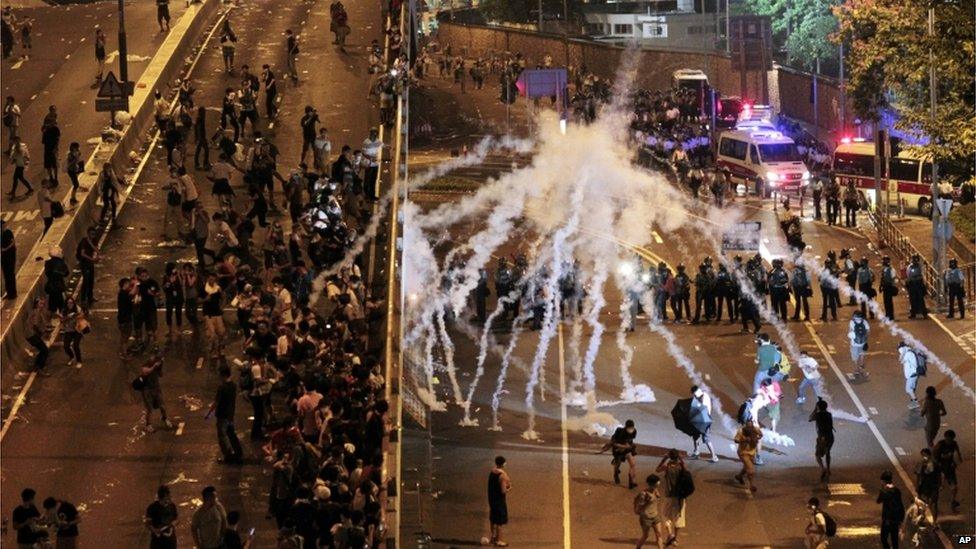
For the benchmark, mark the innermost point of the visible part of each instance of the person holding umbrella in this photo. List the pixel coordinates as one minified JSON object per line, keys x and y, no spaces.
{"x":701,"y":420}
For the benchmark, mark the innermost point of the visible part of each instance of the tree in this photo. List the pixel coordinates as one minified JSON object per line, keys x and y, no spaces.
{"x":803,"y":27}
{"x":888,"y":61}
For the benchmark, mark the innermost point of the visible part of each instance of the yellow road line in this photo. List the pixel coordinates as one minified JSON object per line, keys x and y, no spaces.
{"x":567,"y":522}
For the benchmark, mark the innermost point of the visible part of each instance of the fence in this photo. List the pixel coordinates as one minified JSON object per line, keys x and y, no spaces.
{"x":891,"y":237}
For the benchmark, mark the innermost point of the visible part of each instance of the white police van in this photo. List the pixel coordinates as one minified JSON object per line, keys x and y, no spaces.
{"x":762,"y":157}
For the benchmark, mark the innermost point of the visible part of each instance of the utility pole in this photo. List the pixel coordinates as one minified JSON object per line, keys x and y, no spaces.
{"x":728,"y":27}
{"x":843,"y":93}
{"x":816,"y":96}
{"x":123,"y":51}
{"x":540,"y":15}
{"x":938,"y":220}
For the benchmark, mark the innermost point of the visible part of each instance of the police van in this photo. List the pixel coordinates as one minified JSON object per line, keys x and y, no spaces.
{"x":764,"y":158}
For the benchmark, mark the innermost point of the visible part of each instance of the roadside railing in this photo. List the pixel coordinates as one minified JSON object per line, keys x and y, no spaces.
{"x":392,"y":357}
{"x":893,"y":239}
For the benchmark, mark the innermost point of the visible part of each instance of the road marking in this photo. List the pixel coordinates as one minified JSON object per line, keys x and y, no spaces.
{"x":873,"y":410}
{"x":179,"y":428}
{"x":901,"y":451}
{"x":846,"y":489}
{"x":567,"y":528}
{"x":885,"y":447}
{"x":958,"y":339}
{"x":657,"y":237}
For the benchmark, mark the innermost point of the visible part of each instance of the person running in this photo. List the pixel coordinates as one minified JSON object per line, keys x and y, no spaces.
{"x":649,"y":516}
{"x":824,"y":422}
{"x":932,"y":410}
{"x":747,"y":438}
{"x":152,"y":392}
{"x":928,"y":482}
{"x":623,"y":448}
{"x":703,"y":402}
{"x":892,"y":511}
{"x":948,"y":456}
{"x":811,"y":377}
{"x":499,"y":485}
{"x":910,"y":368}
{"x":676,"y":478}
{"x":161,"y":520}
{"x":816,"y":530}
{"x":857,"y":334}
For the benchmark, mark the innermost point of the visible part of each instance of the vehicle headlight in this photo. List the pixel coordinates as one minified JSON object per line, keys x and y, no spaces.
{"x":806,"y":175}
{"x":772,"y":176}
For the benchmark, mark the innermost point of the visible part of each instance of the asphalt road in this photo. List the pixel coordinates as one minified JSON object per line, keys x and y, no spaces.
{"x":79,"y":435}
{"x":61,"y":72}
{"x":563,"y":492}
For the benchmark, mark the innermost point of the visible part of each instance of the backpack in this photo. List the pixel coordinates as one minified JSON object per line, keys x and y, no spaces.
{"x":830,"y":525}
{"x":684,"y":485}
{"x":246,"y":381}
{"x":921,"y":363}
{"x":860,"y":333}
{"x":745,"y":412}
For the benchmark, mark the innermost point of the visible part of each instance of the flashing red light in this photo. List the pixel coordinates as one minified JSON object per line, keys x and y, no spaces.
{"x":845,"y":140}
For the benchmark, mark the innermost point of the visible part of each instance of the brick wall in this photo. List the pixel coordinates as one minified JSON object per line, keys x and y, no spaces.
{"x":654,"y":68}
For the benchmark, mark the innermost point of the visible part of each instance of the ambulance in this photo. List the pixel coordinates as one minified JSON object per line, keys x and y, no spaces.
{"x":763,"y":158}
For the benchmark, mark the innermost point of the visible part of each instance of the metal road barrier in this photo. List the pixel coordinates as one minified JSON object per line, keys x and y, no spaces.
{"x":392,"y":357}
{"x":895,"y":240}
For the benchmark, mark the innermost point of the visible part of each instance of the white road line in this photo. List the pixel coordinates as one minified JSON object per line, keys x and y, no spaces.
{"x":567,"y":524}
{"x":958,"y":339}
{"x":905,"y":477}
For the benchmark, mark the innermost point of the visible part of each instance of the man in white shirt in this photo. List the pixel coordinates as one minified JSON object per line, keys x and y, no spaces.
{"x":811,"y":377}
{"x":857,"y":333}
{"x":371,"y":151}
{"x":909,"y":366}
{"x":282,"y":301}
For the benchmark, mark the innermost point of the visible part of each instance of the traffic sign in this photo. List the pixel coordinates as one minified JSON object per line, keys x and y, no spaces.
{"x":111,"y":87}
{"x":743,"y":237}
{"x":112,"y":104}
{"x":943,"y":205}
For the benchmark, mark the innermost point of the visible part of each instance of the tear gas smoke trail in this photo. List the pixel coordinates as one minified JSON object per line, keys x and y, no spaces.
{"x":483,"y":345}
{"x":496,"y":397}
{"x":593,"y":320}
{"x":899,"y":332}
{"x":630,"y":392}
{"x":429,"y":395}
{"x":476,"y":156}
{"x":448,"y":347}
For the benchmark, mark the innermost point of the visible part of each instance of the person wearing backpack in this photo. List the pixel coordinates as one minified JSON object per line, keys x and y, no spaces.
{"x":678,"y":485}
{"x":857,"y":333}
{"x":912,"y":371}
{"x":892,"y":511}
{"x":820,"y":528}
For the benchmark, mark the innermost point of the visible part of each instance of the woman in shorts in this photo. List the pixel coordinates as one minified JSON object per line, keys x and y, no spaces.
{"x":646,"y":507}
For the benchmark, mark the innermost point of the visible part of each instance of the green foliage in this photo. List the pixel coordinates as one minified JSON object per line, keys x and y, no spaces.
{"x":962,"y":218}
{"x":512,"y":11}
{"x":803,"y":27}
{"x":888,"y":65}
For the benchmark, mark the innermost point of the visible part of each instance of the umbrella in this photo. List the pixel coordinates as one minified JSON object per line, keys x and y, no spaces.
{"x":690,"y":418}
{"x":681,"y":413}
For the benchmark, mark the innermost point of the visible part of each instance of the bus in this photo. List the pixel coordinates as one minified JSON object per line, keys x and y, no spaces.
{"x":909,"y":181}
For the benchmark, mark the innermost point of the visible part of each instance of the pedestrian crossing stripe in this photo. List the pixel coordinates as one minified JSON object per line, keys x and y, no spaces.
{"x":858,"y":531}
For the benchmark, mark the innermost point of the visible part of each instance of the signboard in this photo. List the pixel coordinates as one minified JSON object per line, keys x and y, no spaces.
{"x":111,"y":87}
{"x":743,"y":237}
{"x":536,"y":83}
{"x":112,"y":104}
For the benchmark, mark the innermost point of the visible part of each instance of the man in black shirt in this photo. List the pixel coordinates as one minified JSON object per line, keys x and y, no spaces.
{"x":8,"y":261}
{"x":223,"y":408}
{"x":623,"y":447}
{"x":825,"y":437}
{"x":270,"y":91}
{"x":161,"y":520}
{"x":233,"y":538}
{"x":65,"y":516}
{"x":25,"y":519}
{"x":892,"y":511}
{"x":126,"y":311}
{"x":146,"y":312}
{"x":86,"y":253}
{"x":308,"y":122}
